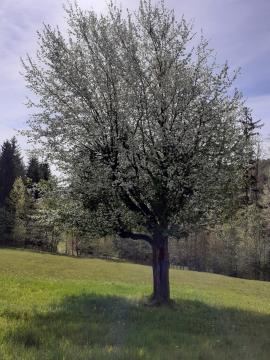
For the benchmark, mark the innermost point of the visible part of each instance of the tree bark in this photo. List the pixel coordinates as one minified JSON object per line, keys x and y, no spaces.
{"x":161,"y":285}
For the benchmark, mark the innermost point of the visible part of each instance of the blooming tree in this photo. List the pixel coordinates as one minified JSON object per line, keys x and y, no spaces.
{"x":147,"y":127}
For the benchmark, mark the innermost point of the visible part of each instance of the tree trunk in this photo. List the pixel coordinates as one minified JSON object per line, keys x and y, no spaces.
{"x":159,"y":243}
{"x":161,"y":286}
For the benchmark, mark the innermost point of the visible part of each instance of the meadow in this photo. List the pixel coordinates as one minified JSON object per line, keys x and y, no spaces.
{"x":56,"y":307}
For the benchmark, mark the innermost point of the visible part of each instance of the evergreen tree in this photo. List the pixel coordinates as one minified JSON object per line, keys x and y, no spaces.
{"x":36,"y":172}
{"x":11,"y":167}
{"x":4,"y":226}
{"x":44,"y":170}
{"x":33,"y":170}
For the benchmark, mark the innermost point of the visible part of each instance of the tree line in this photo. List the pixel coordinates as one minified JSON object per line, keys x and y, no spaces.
{"x":18,"y":193}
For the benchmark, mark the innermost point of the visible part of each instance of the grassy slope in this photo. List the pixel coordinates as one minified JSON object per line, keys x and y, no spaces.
{"x":55,"y":307}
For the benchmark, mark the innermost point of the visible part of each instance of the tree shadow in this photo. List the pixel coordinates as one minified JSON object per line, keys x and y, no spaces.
{"x":91,"y":326}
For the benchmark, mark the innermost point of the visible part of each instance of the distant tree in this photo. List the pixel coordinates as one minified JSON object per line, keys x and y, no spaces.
{"x":46,"y":219}
{"x":45,"y":171}
{"x":251,"y":179}
{"x":36,"y":172}
{"x":4,"y":226}
{"x":33,"y":170}
{"x":149,"y":130}
{"x":18,"y":211}
{"x":11,"y":167}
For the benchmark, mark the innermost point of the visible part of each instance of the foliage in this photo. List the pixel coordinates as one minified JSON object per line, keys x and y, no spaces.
{"x":11,"y":167}
{"x":46,"y":216}
{"x":37,"y":170}
{"x":18,"y":210}
{"x":18,"y":195}
{"x":33,"y":171}
{"x":137,"y":118}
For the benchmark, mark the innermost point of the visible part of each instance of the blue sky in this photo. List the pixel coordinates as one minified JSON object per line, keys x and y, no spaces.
{"x":239,"y":31}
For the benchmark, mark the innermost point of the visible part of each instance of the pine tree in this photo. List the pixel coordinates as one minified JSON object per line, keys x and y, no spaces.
{"x":11,"y":167}
{"x":44,"y":170}
{"x":36,"y":172}
{"x":33,"y":170}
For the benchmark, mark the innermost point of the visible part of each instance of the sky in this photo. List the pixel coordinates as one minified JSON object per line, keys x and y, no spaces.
{"x":238,"y":30}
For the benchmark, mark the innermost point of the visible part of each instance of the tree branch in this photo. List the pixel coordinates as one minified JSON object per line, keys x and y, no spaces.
{"x":134,"y":236}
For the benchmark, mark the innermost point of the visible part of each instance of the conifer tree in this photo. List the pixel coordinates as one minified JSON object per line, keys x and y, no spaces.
{"x":33,"y":170}
{"x":36,"y":172}
{"x":11,"y":167}
{"x":44,"y":170}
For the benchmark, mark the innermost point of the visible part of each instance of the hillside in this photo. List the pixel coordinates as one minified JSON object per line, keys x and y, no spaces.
{"x":55,"y":307}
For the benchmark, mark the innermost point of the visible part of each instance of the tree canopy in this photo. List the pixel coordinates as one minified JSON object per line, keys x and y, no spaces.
{"x":147,"y":126}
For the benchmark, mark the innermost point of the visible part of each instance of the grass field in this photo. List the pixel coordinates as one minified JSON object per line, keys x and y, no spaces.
{"x":54,"y":307}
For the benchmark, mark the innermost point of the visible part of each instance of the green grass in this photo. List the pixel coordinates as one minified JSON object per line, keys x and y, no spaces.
{"x":54,"y":307}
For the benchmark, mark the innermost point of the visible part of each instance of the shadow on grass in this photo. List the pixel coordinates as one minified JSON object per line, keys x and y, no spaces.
{"x":105,"y":327}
